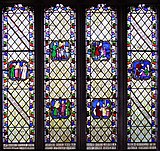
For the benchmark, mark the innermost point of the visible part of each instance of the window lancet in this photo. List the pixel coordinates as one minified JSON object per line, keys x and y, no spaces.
{"x":101,"y":78}
{"x":60,"y":77}
{"x":142,"y":77}
{"x":18,"y":77}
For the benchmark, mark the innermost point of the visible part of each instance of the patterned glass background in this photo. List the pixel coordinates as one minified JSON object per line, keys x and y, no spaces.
{"x":101,"y":60}
{"x":142,"y":81}
{"x":60,"y":77}
{"x":18,"y":77}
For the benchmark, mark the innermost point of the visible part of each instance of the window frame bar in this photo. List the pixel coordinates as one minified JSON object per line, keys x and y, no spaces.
{"x":122,"y":78}
{"x":39,"y":80}
{"x":81,"y":77}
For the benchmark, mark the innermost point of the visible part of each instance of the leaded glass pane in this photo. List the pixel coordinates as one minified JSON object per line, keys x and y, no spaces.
{"x":142,"y":77}
{"x":60,"y":77}
{"x":101,"y":52}
{"x":18,"y":77}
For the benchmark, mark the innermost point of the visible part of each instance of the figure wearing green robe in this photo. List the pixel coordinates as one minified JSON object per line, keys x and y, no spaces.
{"x":68,"y":112}
{"x":146,"y":71}
{"x":54,"y":51}
{"x":12,"y":72}
{"x":55,"y":111}
{"x":93,"y":49}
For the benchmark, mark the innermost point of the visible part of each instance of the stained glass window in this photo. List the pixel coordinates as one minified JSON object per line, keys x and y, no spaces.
{"x":18,"y":77}
{"x":60,"y":77}
{"x":101,"y":50}
{"x":62,"y":122}
{"x":142,"y":81}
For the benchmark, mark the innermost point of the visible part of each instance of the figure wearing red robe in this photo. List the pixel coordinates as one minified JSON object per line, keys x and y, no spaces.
{"x":98,"y":110}
{"x":138,"y":68}
{"x":97,"y":52}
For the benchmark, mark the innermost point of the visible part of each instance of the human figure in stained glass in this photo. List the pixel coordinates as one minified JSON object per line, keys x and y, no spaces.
{"x":100,"y":50}
{"x":146,"y":71}
{"x":55,"y":110}
{"x":106,"y":49}
{"x":17,"y":70}
{"x":98,"y":110}
{"x":24,"y":71}
{"x":138,"y":67}
{"x":12,"y":68}
{"x":59,"y":109}
{"x":97,"y":52}
{"x":61,"y":49}
{"x":54,"y":48}
{"x":104,"y":111}
{"x":141,"y":69}
{"x":93,"y":49}
{"x":108,"y":112}
{"x":63,"y":108}
{"x":58,"y":53}
{"x":68,"y":112}
{"x":67,"y":53}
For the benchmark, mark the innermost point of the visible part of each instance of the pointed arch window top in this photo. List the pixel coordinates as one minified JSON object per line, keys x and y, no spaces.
{"x":60,"y":8}
{"x":141,"y":8}
{"x":100,"y":8}
{"x":17,"y":8}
